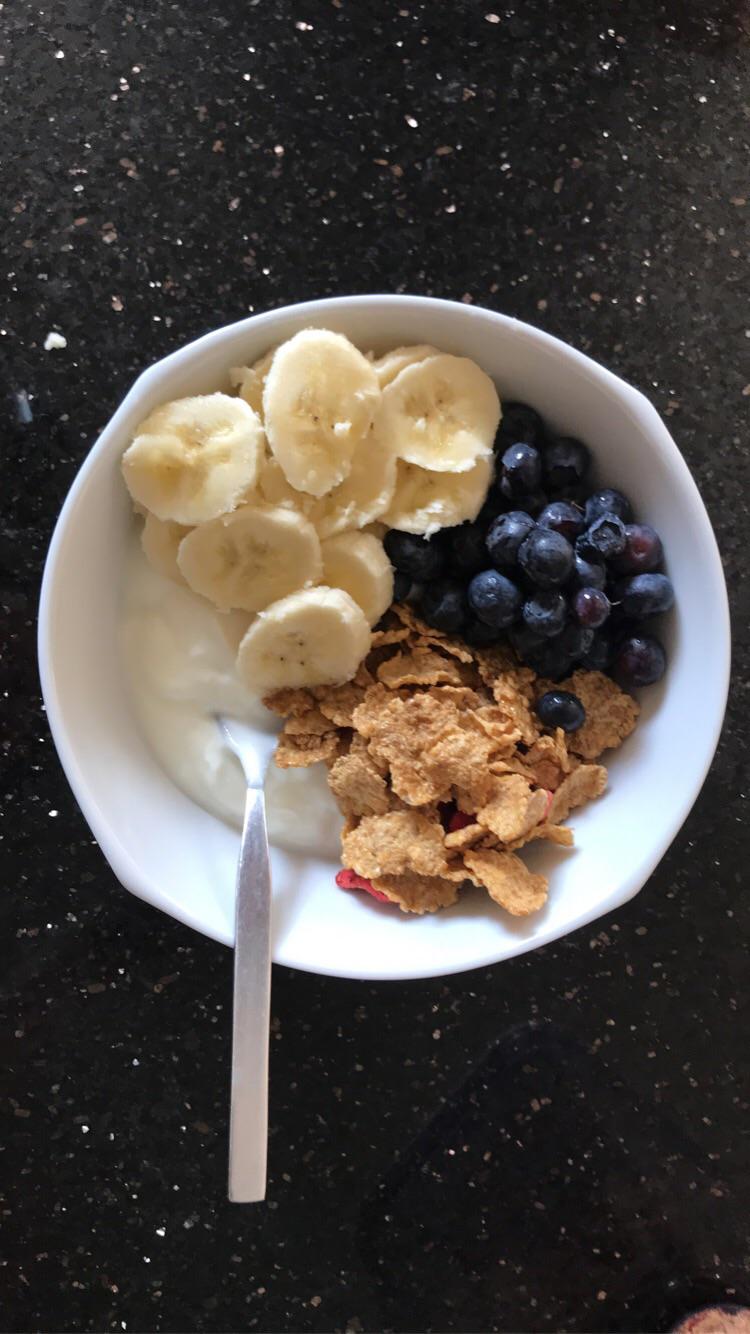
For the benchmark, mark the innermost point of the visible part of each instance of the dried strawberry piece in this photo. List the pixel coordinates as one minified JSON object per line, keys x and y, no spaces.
{"x":446,"y":811}
{"x":460,"y":820}
{"x":549,"y":795}
{"x":347,"y":879}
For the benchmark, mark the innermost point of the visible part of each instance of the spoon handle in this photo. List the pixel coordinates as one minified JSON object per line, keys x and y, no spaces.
{"x":248,"y":1117}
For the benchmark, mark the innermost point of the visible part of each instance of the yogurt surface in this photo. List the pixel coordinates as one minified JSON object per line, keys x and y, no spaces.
{"x":178,"y":656}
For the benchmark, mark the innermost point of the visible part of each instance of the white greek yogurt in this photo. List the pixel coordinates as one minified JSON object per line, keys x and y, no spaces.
{"x":179,"y":669}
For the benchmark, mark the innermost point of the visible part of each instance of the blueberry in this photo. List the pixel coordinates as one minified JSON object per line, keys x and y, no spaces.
{"x":520,"y":422}
{"x":620,"y":624}
{"x":559,"y":708}
{"x":640,"y":661}
{"x":479,"y":635}
{"x":532,"y":503}
{"x":464,"y":547}
{"x":643,"y":549}
{"x":562,"y":517}
{"x":601,"y":652}
{"x":607,"y":502}
{"x":443,"y":604}
{"x":494,"y":599}
{"x":575,"y":640}
{"x":545,"y":613}
{"x":551,"y":660}
{"x":646,"y":594}
{"x":524,"y":641}
{"x":565,"y":463}
{"x":521,"y":470}
{"x":415,"y":556}
{"x":546,"y":557}
{"x":401,"y":586}
{"x":604,"y":540}
{"x":505,"y":535}
{"x":591,"y":607}
{"x":588,"y":573}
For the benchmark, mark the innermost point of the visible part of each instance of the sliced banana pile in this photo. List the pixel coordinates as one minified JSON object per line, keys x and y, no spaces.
{"x":258,"y":500}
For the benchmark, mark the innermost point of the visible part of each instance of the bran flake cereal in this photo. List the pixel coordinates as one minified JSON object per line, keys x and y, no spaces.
{"x":443,"y":769}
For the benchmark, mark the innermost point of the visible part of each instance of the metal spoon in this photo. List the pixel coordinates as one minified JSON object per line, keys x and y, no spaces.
{"x":248,"y":1120}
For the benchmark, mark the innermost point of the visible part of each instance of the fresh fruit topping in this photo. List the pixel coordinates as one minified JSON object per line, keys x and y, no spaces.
{"x":479,"y":635}
{"x":358,"y":563}
{"x":521,"y":470}
{"x":520,"y":422}
{"x":565,"y":463}
{"x":532,"y":503}
{"x":551,"y":660}
{"x":319,"y":403}
{"x":459,"y":820}
{"x":364,"y":495}
{"x":249,"y":381}
{"x":607,"y":502}
{"x":546,"y":557}
{"x":640,"y":661}
{"x":598,"y":657}
{"x":441,"y":414}
{"x":401,"y":585}
{"x":646,"y":594}
{"x":545,"y":613}
{"x":350,"y":880}
{"x":425,"y":501}
{"x":591,"y":607}
{"x":562,"y":517}
{"x":464,"y":547}
{"x":251,"y":557}
{"x":494,"y":599}
{"x":525,"y":641}
{"x":603,"y":540}
{"x":393,"y":363}
{"x":318,"y":636}
{"x":194,"y":459}
{"x":588,"y":573}
{"x":575,"y":640}
{"x":443,"y":604}
{"x":413,"y":555}
{"x":560,"y":708}
{"x":505,"y":535}
{"x":643,"y":549}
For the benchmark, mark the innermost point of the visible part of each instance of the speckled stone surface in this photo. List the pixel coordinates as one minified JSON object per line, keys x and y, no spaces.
{"x":558,"y":1143}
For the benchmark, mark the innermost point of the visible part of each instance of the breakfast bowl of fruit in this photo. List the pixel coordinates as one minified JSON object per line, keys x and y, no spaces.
{"x":459,"y":568}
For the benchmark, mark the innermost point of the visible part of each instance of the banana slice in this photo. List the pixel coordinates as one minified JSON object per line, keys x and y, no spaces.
{"x":441,"y":414}
{"x":426,"y":501}
{"x":193,"y":459}
{"x":318,"y":404}
{"x":160,"y":540}
{"x":315,"y":637}
{"x":249,"y":381}
{"x":250,"y":558}
{"x":365,"y":493}
{"x":357,"y":563}
{"x":274,"y":489}
{"x":389,"y":366}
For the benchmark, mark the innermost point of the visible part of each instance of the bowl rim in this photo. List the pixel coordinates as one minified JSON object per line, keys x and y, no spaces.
{"x":113,"y":849}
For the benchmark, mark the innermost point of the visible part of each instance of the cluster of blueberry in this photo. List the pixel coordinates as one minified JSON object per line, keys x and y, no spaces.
{"x":561,"y":571}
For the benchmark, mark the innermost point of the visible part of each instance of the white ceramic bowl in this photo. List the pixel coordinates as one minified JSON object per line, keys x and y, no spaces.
{"x":168,"y":851}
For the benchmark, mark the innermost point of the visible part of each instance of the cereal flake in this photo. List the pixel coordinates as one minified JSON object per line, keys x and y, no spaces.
{"x":508,"y":881}
{"x":396,"y":843}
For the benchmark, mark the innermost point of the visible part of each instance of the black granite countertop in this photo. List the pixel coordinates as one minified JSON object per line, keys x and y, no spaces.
{"x":557,"y":1143}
